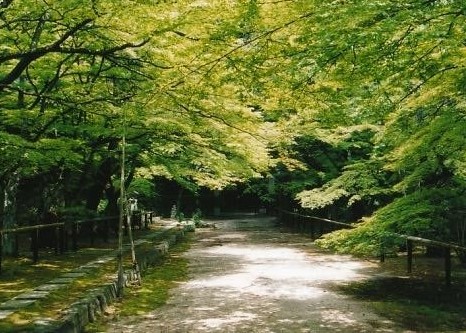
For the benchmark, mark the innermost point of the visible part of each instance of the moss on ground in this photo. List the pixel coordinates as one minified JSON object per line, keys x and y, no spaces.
{"x":154,"y":292}
{"x":28,"y":276}
{"x":51,"y":307}
{"x":20,"y":274}
{"x":414,"y":304}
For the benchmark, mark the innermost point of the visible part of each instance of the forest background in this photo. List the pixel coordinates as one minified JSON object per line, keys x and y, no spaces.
{"x":350,"y":110}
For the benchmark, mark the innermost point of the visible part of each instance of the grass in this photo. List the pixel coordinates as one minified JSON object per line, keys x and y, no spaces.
{"x":20,"y":275}
{"x":58,"y":300}
{"x":415,"y":304}
{"x":156,"y":284}
{"x":154,"y":292}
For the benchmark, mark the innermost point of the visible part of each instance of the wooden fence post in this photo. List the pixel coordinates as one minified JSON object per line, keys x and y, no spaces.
{"x":63,"y":245}
{"x":382,"y":251}
{"x":447,"y":266}
{"x":409,"y":246}
{"x":74,"y":235}
{"x":35,"y":246}
{"x":57,"y":240}
{"x":1,"y":251}
{"x":16,"y":250}
{"x":91,"y":232}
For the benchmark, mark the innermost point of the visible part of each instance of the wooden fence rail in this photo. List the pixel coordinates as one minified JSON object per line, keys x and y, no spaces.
{"x":61,"y":231}
{"x":301,"y":221}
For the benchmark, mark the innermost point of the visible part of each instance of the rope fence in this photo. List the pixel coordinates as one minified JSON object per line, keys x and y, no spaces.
{"x":319,"y":226}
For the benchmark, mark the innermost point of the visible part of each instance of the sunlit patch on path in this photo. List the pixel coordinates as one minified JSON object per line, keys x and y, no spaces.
{"x":247,"y":276}
{"x":276,"y":272}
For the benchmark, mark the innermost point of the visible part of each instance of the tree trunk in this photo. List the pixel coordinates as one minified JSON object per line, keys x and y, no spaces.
{"x":9,"y":214}
{"x":102,"y":178}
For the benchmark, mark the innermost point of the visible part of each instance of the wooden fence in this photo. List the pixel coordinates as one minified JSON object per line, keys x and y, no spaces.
{"x":61,"y":231}
{"x":318,"y":226}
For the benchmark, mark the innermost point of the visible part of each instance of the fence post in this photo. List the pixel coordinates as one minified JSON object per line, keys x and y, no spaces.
{"x":106,"y":230}
{"x":382,"y":251}
{"x":63,"y":245}
{"x":1,"y":251}
{"x":57,"y":240}
{"x":35,"y":246}
{"x":409,"y":246}
{"x":91,"y":232}
{"x":447,"y":266}
{"x":16,"y":250}
{"x":74,"y":235}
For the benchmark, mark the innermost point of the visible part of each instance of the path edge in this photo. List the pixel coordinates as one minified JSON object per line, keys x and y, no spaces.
{"x":95,"y":302}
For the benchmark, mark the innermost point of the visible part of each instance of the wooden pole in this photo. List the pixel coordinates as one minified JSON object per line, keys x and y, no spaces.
{"x":62,"y":239}
{"x":409,"y":246}
{"x":382,"y":251}
{"x":35,"y":245}
{"x":74,"y":235}
{"x":57,"y":239}
{"x":120,"y":281}
{"x":447,"y":267}
{"x":1,"y":251}
{"x":91,"y":232}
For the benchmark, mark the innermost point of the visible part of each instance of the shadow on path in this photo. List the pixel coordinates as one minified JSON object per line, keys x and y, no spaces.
{"x":249,"y":276}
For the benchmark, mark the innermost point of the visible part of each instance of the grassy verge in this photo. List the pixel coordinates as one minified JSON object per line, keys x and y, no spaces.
{"x":154,"y":292}
{"x":21,"y":275}
{"x":27,"y":276}
{"x":414,"y":303}
{"x":51,"y":307}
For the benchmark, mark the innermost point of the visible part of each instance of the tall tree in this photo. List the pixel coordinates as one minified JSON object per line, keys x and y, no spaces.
{"x":326,"y":69}
{"x":70,"y":70}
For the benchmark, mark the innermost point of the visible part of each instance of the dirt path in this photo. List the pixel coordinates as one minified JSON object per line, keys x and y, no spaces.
{"x":246,"y":276}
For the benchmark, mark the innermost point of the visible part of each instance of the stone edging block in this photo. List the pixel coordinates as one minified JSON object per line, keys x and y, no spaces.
{"x":94,"y":304}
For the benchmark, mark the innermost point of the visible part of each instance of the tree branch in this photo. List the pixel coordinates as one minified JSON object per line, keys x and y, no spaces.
{"x":26,"y":58}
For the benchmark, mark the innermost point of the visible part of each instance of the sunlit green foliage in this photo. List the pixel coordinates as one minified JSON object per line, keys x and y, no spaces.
{"x":397,"y":67}
{"x":360,"y":103}
{"x":76,"y":76}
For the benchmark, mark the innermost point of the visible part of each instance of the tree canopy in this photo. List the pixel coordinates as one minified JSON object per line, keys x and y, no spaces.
{"x":76,"y":75}
{"x":370,"y":100}
{"x":351,"y":106}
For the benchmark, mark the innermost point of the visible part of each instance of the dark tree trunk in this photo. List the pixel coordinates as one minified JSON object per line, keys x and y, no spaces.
{"x":102,"y":179}
{"x":9,"y":216}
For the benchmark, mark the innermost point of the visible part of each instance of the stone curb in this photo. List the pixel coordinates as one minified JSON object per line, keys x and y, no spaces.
{"x":95,"y":302}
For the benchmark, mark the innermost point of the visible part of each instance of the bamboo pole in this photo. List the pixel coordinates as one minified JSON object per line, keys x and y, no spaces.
{"x":120,"y":281}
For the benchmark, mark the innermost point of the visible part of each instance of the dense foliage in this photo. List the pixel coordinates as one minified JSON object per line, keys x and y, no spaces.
{"x":76,"y":76}
{"x":360,"y":105}
{"x":399,"y":66}
{"x":370,"y":98}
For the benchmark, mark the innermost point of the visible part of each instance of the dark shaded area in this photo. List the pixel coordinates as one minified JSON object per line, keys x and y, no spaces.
{"x":415,"y":303}
{"x":210,"y":202}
